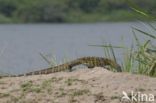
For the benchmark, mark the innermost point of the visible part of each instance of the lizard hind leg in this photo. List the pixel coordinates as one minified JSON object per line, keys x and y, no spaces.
{"x":70,"y":68}
{"x":89,"y":66}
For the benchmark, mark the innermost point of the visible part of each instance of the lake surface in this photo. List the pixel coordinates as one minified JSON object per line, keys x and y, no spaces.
{"x":20,"y":44}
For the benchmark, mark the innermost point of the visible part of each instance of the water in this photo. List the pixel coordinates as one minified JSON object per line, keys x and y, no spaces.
{"x":20,"y":44}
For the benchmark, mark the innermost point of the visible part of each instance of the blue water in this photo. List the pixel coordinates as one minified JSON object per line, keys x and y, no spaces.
{"x":20,"y":44}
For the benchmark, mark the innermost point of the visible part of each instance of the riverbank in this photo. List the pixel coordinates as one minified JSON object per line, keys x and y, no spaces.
{"x":81,"y":86}
{"x":80,"y":17}
{"x":69,"y":11}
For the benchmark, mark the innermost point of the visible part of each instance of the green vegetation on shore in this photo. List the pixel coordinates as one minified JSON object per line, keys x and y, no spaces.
{"x":35,"y":11}
{"x":141,"y":57}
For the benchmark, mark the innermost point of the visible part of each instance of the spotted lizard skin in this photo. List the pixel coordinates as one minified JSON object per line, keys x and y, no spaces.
{"x":90,"y":62}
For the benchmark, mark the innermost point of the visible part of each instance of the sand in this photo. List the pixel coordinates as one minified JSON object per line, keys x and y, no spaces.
{"x":97,"y":85}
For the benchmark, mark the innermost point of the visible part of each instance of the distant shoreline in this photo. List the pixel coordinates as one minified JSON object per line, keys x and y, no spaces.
{"x":115,"y":16}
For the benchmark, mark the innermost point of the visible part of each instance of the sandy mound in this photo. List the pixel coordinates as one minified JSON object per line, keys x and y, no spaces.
{"x":82,"y":86}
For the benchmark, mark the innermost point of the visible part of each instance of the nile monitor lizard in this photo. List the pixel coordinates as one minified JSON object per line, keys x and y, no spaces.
{"x":90,"y":62}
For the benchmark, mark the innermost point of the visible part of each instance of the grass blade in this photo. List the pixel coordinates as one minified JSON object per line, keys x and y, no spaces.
{"x":112,"y":52}
{"x":145,"y":33}
{"x":45,"y":58}
{"x":136,"y":39}
{"x":107,"y":46}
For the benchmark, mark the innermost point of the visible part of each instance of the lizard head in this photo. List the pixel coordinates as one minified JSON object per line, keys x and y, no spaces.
{"x":113,"y":64}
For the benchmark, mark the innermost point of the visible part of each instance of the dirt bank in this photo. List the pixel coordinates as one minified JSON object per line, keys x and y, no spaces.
{"x":82,"y":86}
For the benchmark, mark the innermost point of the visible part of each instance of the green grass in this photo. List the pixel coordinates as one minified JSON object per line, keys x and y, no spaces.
{"x":30,"y":87}
{"x":71,"y":81}
{"x":3,"y":95}
{"x":80,"y":92}
{"x":141,"y":57}
{"x":146,"y":55}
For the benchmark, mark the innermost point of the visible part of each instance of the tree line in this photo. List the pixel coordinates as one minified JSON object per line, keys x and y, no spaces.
{"x":25,"y":11}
